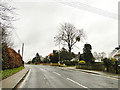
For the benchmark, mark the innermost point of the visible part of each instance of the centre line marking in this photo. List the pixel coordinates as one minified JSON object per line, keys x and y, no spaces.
{"x":57,"y":73}
{"x":76,"y":83}
{"x":42,"y":69}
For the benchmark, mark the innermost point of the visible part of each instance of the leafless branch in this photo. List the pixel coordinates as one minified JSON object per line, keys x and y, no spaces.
{"x":68,"y":34}
{"x":6,"y":18}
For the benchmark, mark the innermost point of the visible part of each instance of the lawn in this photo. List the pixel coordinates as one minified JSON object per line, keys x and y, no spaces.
{"x":9,"y":72}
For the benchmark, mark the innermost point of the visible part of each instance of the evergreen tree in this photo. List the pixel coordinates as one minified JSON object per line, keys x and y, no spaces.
{"x":36,"y":59}
{"x":87,"y":55}
{"x":64,"y":54}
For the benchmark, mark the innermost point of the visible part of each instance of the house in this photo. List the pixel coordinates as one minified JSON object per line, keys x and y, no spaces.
{"x":74,"y":59}
{"x":98,"y":60}
{"x":113,"y":53}
{"x":51,"y":54}
{"x":117,"y":55}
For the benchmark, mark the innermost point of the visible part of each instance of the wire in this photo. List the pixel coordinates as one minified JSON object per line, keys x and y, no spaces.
{"x":92,"y":9}
{"x":77,"y":47}
{"x":18,"y":36}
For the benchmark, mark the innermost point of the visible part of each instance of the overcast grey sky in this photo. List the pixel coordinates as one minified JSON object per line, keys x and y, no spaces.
{"x":39,"y":22}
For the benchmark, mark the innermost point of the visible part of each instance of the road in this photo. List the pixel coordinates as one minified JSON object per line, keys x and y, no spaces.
{"x":42,"y":76}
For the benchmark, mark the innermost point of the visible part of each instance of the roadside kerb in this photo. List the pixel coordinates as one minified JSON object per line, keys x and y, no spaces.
{"x":13,"y":80}
{"x":92,"y":72}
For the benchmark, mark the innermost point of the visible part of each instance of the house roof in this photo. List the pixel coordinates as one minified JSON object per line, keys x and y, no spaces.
{"x":118,"y":53}
{"x":50,"y":54}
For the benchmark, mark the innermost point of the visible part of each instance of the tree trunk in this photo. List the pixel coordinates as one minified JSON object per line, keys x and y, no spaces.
{"x":107,"y":69}
{"x":69,"y":49}
{"x":70,"y":52}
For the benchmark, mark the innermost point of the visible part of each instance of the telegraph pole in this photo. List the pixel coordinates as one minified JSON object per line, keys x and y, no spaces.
{"x":22,"y":49}
{"x":59,"y":51}
{"x":22,"y":53}
{"x":116,"y":62}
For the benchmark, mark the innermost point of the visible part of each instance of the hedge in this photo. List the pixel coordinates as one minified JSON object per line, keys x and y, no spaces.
{"x":98,"y":67}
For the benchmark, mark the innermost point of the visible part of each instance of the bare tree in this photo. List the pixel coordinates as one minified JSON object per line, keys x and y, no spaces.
{"x":95,"y":55}
{"x":100,"y":55}
{"x":103,"y":55}
{"x":69,"y":35}
{"x":6,"y":18}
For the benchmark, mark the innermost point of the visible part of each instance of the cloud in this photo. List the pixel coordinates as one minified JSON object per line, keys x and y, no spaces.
{"x":40,"y":21}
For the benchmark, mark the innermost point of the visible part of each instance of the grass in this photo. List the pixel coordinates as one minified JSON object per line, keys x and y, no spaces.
{"x":9,"y":72}
{"x":62,"y":65}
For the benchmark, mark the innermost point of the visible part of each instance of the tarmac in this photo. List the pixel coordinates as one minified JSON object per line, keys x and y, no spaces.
{"x":117,"y":76}
{"x":15,"y":79}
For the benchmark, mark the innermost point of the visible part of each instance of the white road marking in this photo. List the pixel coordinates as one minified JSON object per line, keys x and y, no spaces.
{"x":102,"y":76}
{"x":99,"y":75}
{"x":57,"y":73}
{"x":42,"y":69}
{"x":25,"y":79}
{"x":76,"y":83}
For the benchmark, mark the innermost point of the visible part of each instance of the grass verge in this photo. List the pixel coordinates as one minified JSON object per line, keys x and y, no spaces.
{"x":9,"y":72}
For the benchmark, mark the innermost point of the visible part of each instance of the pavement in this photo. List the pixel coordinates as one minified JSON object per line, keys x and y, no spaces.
{"x":13,"y":81}
{"x":43,"y":76}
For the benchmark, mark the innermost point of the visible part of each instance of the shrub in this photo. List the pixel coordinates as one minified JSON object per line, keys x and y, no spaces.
{"x":70,"y":63}
{"x":113,"y":59}
{"x":108,"y":63}
{"x":45,"y":64}
{"x":29,"y":62}
{"x":11,"y":59}
{"x":84,"y":66}
{"x":54,"y":64}
{"x":62,"y":65}
{"x":96,"y":66}
{"x":82,"y":62}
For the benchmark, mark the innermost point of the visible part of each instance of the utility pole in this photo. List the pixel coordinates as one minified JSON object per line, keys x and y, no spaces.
{"x":22,"y":53}
{"x":116,"y":62}
{"x":22,"y":49}
{"x":59,"y":51}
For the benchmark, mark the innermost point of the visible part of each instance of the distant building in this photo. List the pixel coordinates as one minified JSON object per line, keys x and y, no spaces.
{"x":74,"y":59}
{"x":54,"y":51}
{"x":117,"y":55}
{"x":50,"y":54}
{"x":113,"y":53}
{"x":98,"y":58}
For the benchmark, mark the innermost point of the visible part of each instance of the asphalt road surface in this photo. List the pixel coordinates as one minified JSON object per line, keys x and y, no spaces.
{"x":42,"y":76}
